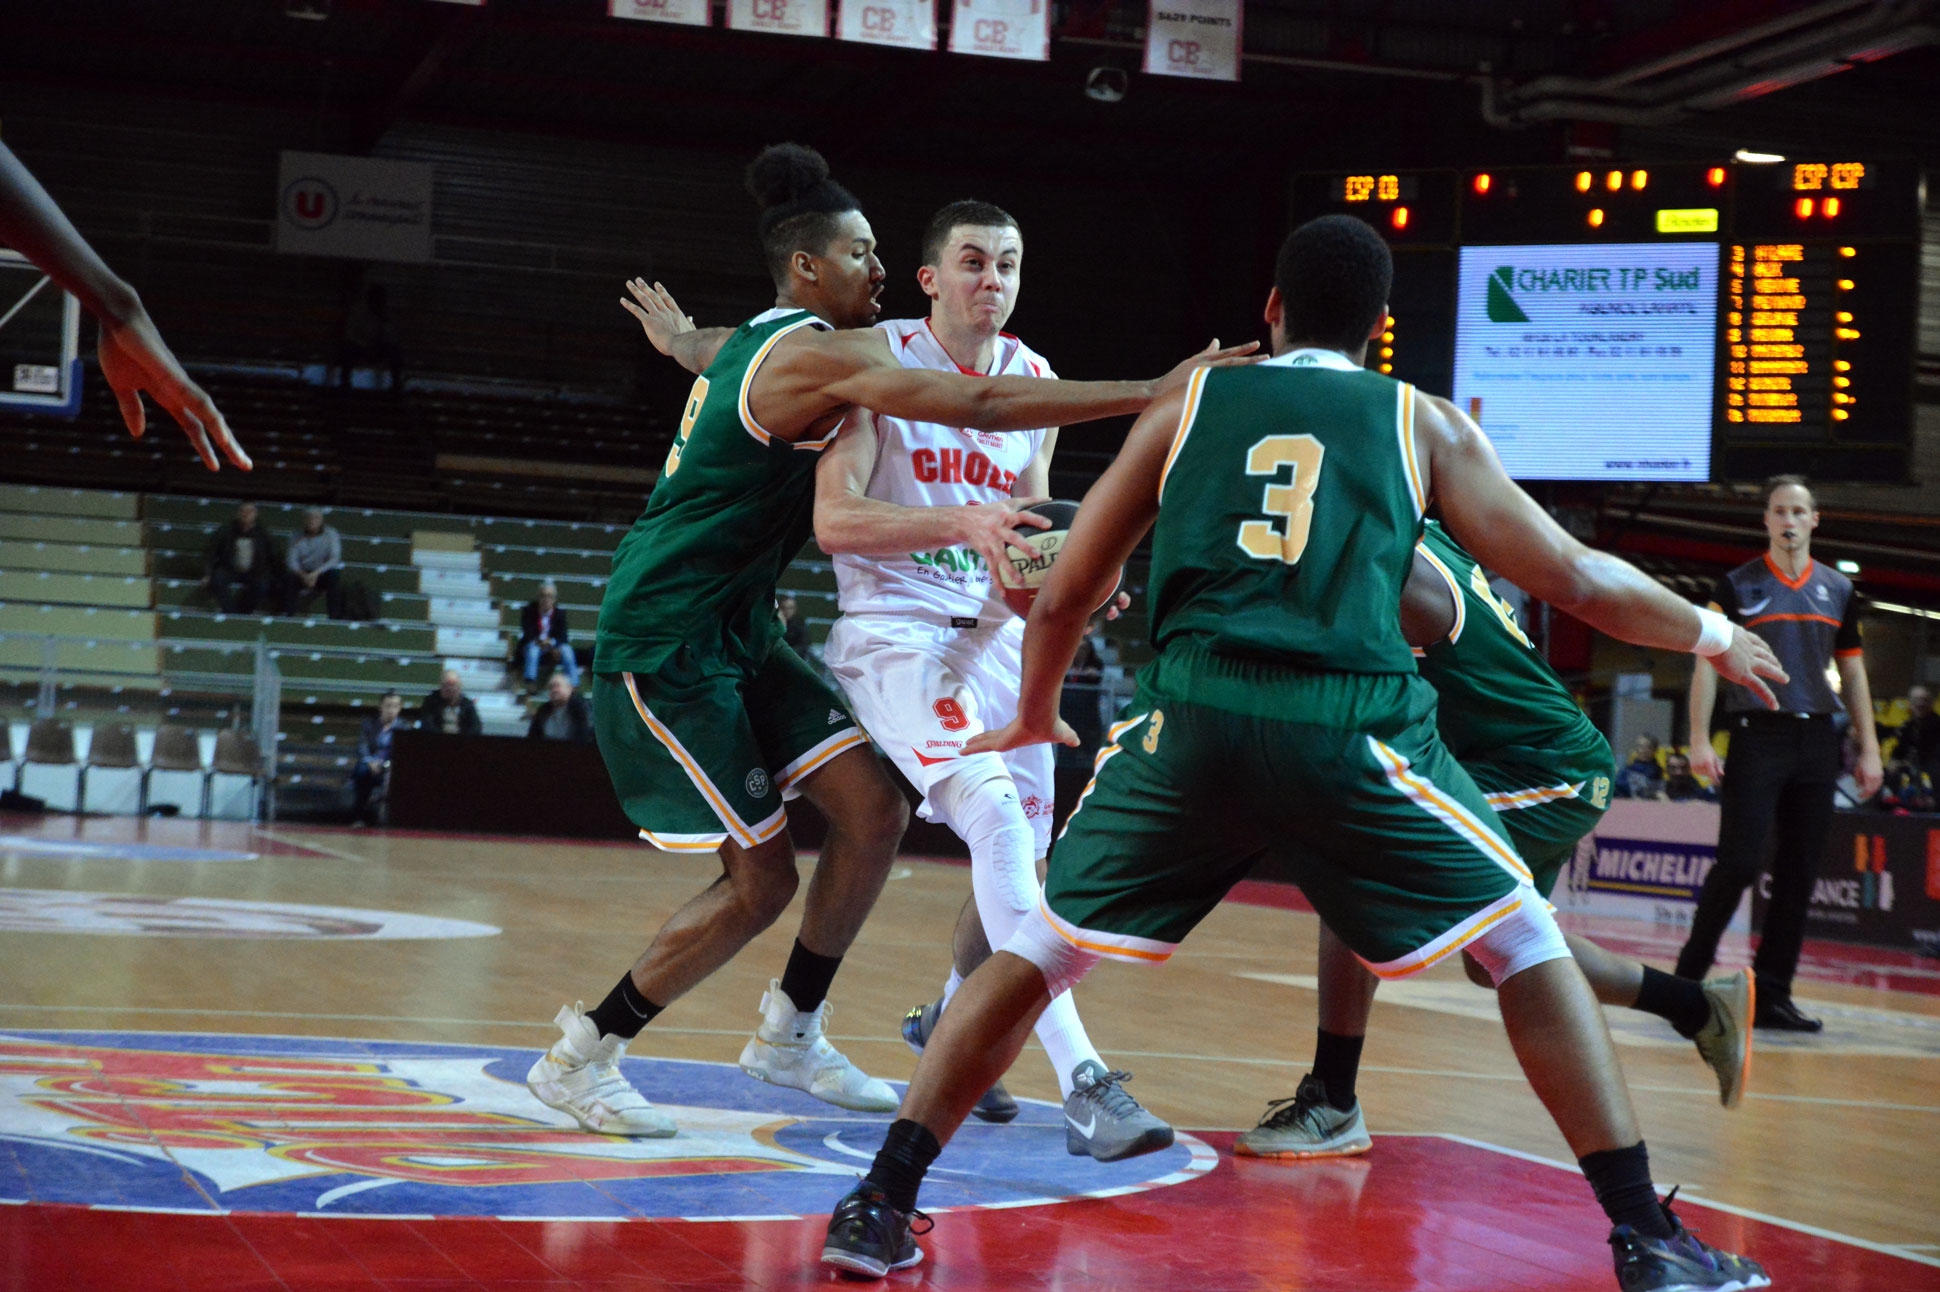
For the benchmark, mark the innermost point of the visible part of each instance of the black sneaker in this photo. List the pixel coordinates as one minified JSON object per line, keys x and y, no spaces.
{"x":1777,"y":1013}
{"x":867,"y":1236}
{"x":1680,"y":1263}
{"x":997,"y":1104}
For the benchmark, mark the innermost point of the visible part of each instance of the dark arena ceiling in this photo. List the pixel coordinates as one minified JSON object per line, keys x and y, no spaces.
{"x":1379,"y":82}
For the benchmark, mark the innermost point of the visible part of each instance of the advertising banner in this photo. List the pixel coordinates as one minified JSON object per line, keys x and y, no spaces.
{"x":1001,"y":28}
{"x":780,"y":17}
{"x":358,"y":207}
{"x":1879,"y":883}
{"x":907,"y":24}
{"x":1646,"y":861}
{"x":1198,"y":38}
{"x":691,"y":13}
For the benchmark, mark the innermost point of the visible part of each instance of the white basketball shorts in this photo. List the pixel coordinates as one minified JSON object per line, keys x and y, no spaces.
{"x":922,"y":689}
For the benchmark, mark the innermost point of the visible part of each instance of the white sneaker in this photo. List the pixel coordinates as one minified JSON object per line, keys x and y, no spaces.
{"x":580,"y":1076}
{"x":788,"y":1049}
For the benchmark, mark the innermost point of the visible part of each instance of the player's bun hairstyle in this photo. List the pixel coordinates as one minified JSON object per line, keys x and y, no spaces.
{"x":969,"y":211}
{"x":799,"y":204}
{"x":1333,"y":274}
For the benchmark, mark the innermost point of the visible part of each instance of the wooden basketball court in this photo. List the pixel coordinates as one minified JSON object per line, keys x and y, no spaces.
{"x":290,"y":1058}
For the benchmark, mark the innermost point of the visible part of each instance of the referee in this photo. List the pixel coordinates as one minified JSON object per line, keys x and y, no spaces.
{"x":1783,"y":763}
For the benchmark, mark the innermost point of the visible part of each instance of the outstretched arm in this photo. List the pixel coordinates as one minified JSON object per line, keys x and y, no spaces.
{"x":1491,"y":516}
{"x":1116,"y":513}
{"x":672,"y":332}
{"x":848,"y":520}
{"x":134,"y":358}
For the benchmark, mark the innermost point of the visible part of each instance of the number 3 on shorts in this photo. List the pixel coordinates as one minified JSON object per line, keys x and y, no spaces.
{"x":1292,"y":502}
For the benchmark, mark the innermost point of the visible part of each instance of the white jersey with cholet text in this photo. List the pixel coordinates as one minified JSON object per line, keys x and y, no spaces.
{"x":924,"y":464}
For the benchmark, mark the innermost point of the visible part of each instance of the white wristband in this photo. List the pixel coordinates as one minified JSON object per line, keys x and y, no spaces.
{"x":1714,"y":633}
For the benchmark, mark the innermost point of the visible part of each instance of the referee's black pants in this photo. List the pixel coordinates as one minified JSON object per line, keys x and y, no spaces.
{"x":1779,"y":775}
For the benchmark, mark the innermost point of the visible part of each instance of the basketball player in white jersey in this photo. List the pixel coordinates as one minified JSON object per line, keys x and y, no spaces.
{"x":916,"y":515}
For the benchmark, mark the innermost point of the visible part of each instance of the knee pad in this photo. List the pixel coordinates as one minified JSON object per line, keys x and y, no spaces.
{"x":1520,"y":941}
{"x":985,"y":811}
{"x":1062,"y":964}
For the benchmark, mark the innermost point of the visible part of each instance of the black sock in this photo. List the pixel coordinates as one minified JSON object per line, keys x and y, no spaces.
{"x":900,"y":1164}
{"x":807,"y":977}
{"x":624,"y":1011}
{"x":1621,"y":1180}
{"x":1679,"y":1000}
{"x":1337,"y":1061}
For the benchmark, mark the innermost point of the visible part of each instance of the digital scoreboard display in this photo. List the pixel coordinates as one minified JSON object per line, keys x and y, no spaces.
{"x":1689,"y":322}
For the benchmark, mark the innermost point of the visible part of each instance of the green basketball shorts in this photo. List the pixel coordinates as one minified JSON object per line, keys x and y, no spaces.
{"x":705,"y":751}
{"x":1547,"y":801}
{"x":1341,"y":778}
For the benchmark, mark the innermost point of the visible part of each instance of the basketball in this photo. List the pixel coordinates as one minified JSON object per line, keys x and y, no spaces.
{"x":1024,"y":575}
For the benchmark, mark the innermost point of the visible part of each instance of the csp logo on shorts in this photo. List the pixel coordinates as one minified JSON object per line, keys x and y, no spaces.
{"x":758,"y":783}
{"x":322,"y":1127}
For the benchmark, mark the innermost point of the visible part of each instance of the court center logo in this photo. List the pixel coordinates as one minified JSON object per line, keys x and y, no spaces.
{"x":57,"y":910}
{"x":397,"y":1129}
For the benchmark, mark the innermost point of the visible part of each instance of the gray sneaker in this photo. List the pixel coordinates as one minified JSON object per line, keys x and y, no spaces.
{"x":1306,"y":1126}
{"x":1103,"y":1120}
{"x":1725,"y":1039}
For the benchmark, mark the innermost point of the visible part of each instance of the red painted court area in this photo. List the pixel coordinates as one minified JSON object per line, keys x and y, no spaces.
{"x":1419,"y":1214}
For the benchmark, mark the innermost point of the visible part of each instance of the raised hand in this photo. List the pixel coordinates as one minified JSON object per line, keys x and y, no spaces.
{"x":1210,"y":357}
{"x":135,"y":360}
{"x":659,"y":314}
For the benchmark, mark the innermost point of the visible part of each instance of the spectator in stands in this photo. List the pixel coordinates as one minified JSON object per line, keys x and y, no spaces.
{"x":1641,"y":778}
{"x":134,"y":358}
{"x":1916,"y":741}
{"x":316,"y":565}
{"x":1682,"y":787}
{"x":564,"y":715}
{"x":542,"y":632}
{"x":449,"y":710}
{"x":794,"y":629}
{"x":244,"y":567}
{"x":371,"y":777}
{"x":369,"y":335}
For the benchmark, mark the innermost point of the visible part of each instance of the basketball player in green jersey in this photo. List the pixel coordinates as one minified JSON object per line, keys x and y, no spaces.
{"x":1284,"y":715}
{"x":706,"y":720}
{"x":1546,"y":771}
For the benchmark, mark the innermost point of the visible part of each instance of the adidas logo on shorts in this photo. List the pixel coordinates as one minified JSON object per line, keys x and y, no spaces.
{"x":836,"y":715}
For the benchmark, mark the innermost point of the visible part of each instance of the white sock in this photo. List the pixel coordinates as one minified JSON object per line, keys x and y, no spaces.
{"x":1064,"y":1039}
{"x":950,"y":987}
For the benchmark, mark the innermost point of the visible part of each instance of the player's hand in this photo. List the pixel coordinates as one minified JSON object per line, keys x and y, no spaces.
{"x":1747,"y":661}
{"x":658,"y":312}
{"x":135,"y":360}
{"x":1868,"y":774}
{"x":989,"y":528}
{"x":1210,"y":357}
{"x":1015,"y":735}
{"x":1117,"y":606}
{"x":1705,"y":761}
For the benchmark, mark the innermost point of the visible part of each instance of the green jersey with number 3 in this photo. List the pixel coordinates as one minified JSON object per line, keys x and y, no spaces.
{"x":1497,"y":691}
{"x":1289,"y":506}
{"x":732,"y":507}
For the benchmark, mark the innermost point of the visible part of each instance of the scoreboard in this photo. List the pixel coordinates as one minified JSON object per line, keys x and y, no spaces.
{"x":1683,"y":322}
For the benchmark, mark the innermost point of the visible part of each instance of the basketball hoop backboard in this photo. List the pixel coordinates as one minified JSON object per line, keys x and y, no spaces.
{"x":40,"y":341}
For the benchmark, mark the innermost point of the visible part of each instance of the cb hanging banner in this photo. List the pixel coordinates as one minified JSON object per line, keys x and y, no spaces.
{"x":692,"y":13}
{"x":1002,"y":28}
{"x":909,"y":24}
{"x":780,"y":17}
{"x":1197,"y":38}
